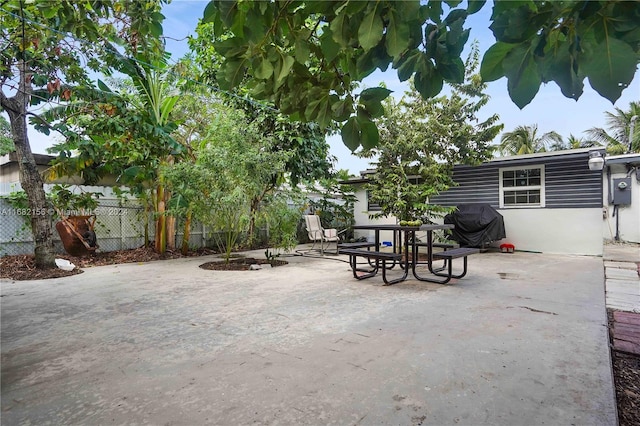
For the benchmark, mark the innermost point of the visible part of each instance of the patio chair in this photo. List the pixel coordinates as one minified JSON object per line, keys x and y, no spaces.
{"x":318,"y":234}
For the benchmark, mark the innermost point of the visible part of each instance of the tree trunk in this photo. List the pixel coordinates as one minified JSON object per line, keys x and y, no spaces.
{"x":255,"y":204}
{"x":171,"y":232}
{"x":30,"y":178}
{"x":161,"y":221}
{"x":170,"y":224}
{"x":187,"y":234}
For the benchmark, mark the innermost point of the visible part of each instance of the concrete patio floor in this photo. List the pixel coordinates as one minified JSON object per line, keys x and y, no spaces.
{"x":522,"y":340}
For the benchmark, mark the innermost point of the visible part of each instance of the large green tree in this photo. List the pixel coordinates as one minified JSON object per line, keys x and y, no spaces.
{"x":618,"y":138}
{"x":527,"y":140}
{"x":309,"y":159}
{"x":48,"y":50}
{"x":420,"y":141}
{"x":306,"y":56}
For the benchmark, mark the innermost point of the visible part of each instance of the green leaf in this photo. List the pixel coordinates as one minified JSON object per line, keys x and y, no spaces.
{"x":330,"y":49}
{"x":227,"y":11}
{"x":340,"y":29}
{"x":491,"y":68}
{"x":374,"y":94}
{"x":232,"y":73}
{"x":369,"y":136}
{"x":210,"y":12}
{"x":610,"y":68}
{"x":452,"y":71}
{"x":157,"y":16}
{"x":319,"y":110}
{"x":397,"y":35}
{"x":103,"y":86}
{"x":155,"y":28}
{"x":167,"y":106}
{"x":132,"y":172}
{"x":559,"y":65}
{"x":407,"y":65}
{"x":455,"y":15}
{"x":230,"y":47}
{"x":49,"y":12}
{"x":373,"y":109}
{"x":302,"y":51}
{"x":350,"y":133}
{"x":262,"y":68}
{"x":456,"y":41}
{"x":513,"y":25}
{"x":522,"y":73}
{"x":475,"y":6}
{"x":435,"y":10}
{"x":428,"y":83}
{"x":282,"y":69}
{"x":342,"y":109}
{"x":370,"y":31}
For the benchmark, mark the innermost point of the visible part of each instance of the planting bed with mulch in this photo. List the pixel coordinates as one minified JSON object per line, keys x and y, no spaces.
{"x":241,"y":264}
{"x":23,"y":267}
{"x":626,"y":366}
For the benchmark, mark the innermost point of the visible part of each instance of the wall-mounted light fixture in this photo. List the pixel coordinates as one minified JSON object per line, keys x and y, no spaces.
{"x":596,"y":161}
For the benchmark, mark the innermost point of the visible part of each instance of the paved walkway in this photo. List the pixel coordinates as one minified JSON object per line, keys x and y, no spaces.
{"x":622,"y":284}
{"x":522,"y":340}
{"x":622,"y":273}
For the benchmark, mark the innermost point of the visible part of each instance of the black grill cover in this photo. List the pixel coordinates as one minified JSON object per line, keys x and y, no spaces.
{"x":476,"y":225}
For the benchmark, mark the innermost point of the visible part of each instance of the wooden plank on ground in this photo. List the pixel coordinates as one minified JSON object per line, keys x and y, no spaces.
{"x":627,"y":317}
{"x":629,"y":328}
{"x":623,"y":345}
{"x":626,"y":332}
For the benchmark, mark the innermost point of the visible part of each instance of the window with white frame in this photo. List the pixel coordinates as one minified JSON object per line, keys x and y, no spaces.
{"x":522,"y":186}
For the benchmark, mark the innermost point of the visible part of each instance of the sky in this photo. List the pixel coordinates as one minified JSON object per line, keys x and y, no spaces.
{"x":550,"y":110}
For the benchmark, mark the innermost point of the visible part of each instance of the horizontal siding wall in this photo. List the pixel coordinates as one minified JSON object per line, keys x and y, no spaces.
{"x":476,"y":185}
{"x":568,"y":183}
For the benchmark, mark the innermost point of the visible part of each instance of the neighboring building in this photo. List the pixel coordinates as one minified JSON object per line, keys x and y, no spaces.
{"x":551,"y":202}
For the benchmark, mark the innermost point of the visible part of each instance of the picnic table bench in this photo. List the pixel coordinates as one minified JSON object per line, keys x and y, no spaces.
{"x":448,"y":256}
{"x":384,"y":256}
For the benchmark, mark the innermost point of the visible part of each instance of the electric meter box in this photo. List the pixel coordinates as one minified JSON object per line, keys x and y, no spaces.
{"x":621,"y":191}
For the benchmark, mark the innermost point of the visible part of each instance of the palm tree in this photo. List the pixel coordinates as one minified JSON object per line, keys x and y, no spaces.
{"x":525,"y":140}
{"x":619,"y":126}
{"x":573,"y":142}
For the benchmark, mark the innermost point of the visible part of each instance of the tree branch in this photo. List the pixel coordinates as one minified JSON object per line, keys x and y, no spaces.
{"x":9,"y":104}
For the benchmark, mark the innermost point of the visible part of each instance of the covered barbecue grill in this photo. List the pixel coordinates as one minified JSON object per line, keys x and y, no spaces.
{"x":476,"y":225}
